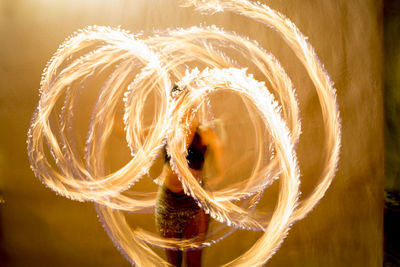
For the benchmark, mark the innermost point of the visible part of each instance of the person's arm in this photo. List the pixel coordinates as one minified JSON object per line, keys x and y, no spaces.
{"x":211,"y":139}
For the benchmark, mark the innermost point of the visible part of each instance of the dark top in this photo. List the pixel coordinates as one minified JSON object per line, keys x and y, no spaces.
{"x":196,"y":153}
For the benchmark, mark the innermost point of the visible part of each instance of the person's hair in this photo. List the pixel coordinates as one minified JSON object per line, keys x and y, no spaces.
{"x":176,"y":88}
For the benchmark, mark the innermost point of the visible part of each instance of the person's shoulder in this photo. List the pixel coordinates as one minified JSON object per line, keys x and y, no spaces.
{"x":206,"y":133}
{"x":204,"y":129}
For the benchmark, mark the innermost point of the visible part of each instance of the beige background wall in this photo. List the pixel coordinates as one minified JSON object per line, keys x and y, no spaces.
{"x":39,"y":228}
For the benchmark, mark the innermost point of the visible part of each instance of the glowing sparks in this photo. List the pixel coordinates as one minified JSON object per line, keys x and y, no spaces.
{"x":144,"y":67}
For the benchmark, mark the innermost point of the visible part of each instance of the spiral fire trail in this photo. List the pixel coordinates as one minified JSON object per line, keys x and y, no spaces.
{"x":139,"y":67}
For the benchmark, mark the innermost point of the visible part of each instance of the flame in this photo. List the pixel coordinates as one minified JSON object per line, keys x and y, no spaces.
{"x":159,"y":62}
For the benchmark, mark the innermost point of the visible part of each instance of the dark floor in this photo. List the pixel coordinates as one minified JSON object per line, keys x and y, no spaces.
{"x":392,"y":229}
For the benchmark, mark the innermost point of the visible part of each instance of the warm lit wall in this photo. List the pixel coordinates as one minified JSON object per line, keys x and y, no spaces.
{"x":39,"y":228}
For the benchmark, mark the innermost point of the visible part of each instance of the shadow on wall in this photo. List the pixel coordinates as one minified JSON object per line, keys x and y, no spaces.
{"x":392,"y":132}
{"x":4,"y":259}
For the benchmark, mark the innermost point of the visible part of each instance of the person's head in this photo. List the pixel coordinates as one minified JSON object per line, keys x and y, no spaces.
{"x":178,"y":94}
{"x":176,"y":91}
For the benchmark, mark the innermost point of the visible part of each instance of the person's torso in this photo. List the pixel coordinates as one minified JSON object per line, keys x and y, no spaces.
{"x":196,"y":153}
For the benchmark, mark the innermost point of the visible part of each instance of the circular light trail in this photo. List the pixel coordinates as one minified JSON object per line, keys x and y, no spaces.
{"x":139,"y":68}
